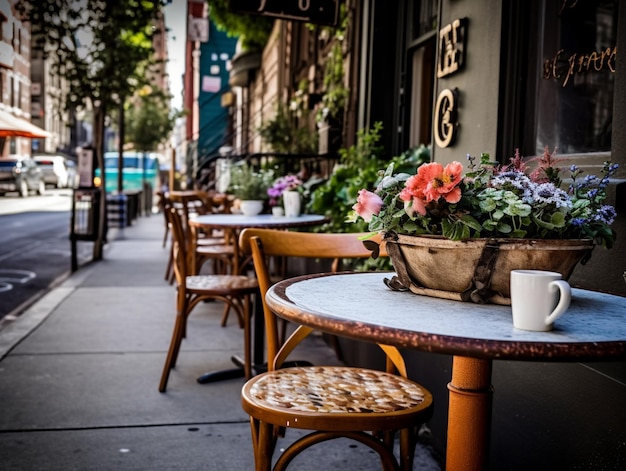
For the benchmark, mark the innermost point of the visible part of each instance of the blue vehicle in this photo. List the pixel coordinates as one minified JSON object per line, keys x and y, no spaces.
{"x":139,"y":168}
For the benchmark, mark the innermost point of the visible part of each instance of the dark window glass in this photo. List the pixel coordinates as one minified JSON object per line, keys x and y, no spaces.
{"x":424,"y":17}
{"x":573,"y":76}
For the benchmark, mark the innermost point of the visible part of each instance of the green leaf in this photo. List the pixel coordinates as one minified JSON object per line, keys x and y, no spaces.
{"x":504,"y":228}
{"x":471,"y":222}
{"x":558,"y":219}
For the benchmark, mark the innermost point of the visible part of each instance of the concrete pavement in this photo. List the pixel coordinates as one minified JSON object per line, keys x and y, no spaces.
{"x":79,"y":373}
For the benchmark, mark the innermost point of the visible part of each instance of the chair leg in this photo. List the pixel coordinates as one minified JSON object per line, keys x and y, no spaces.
{"x":239,"y":308}
{"x":224,"y":321}
{"x":172,"y":354}
{"x":247,"y":337}
{"x":167,"y":231}
{"x":169,"y":270}
{"x":407,"y":448}
{"x":263,"y":445}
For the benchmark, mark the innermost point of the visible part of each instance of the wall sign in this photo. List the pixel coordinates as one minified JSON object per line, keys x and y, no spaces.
{"x":563,"y":67}
{"x":85,"y":167}
{"x":322,"y":12}
{"x":452,"y":43}
{"x":445,"y":126}
{"x":198,"y":29}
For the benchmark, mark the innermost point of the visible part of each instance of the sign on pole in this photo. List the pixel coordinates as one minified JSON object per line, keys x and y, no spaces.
{"x":322,"y":12}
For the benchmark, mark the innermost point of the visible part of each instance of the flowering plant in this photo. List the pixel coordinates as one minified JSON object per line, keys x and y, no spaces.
{"x":282,"y":184}
{"x":491,"y":201}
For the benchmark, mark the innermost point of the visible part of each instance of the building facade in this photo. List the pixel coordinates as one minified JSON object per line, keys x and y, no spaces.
{"x":472,"y":77}
{"x":466,"y":77}
{"x":15,"y":81}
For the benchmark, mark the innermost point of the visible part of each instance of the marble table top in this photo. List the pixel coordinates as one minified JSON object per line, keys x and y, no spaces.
{"x":261,"y":220}
{"x":362,"y":307}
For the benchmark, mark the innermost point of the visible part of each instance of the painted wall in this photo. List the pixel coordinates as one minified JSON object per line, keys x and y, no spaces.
{"x":477,"y":84}
{"x":215,"y":56}
{"x":545,"y":415}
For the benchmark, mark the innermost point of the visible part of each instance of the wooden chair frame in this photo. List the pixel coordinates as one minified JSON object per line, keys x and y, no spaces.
{"x":234,"y":290}
{"x":268,"y":422}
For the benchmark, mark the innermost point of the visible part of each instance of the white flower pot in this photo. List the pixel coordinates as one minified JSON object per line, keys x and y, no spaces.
{"x":278,"y":211}
{"x":292,"y":203}
{"x":251,"y":207}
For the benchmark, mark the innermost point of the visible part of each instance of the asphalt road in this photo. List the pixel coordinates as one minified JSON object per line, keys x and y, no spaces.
{"x":35,"y":249}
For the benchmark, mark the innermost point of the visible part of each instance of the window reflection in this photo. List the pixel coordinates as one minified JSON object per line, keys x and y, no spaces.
{"x":575,"y":79}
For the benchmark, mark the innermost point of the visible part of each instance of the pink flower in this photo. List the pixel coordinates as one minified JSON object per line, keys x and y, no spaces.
{"x":367,"y":204}
{"x":432,"y":182}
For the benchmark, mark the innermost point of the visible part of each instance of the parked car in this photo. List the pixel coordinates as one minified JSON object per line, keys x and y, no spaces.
{"x":18,"y":174}
{"x":58,"y":170}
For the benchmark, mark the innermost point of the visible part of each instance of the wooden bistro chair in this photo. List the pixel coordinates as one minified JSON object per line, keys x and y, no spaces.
{"x":365,"y":405}
{"x":234,"y":290}
{"x":208,"y":247}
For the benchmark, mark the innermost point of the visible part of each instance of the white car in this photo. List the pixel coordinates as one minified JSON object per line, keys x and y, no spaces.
{"x":58,"y":170}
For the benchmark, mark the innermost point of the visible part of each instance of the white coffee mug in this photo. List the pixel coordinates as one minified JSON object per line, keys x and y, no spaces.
{"x":538,"y":298}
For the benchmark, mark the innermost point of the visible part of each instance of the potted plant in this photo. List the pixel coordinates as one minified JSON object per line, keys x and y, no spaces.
{"x":286,"y":191}
{"x":250,"y":187}
{"x":459,"y":236}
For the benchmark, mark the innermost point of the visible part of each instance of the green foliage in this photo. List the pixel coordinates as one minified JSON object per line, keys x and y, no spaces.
{"x":151,"y":122}
{"x":253,"y":30}
{"x":100,"y":48}
{"x":358,"y":165}
{"x":282,"y":135}
{"x":358,"y":168}
{"x":248,"y":184}
{"x":491,"y":201}
{"x":335,"y":92}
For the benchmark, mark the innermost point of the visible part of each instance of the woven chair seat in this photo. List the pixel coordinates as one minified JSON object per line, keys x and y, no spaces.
{"x":220,"y":284}
{"x":333,"y":390}
{"x":204,"y":241}
{"x":217,"y":249}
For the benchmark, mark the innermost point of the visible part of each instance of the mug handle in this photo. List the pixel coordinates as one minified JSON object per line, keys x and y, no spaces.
{"x":564,"y":301}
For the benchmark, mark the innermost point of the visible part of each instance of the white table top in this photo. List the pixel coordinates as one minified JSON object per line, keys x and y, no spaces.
{"x":261,"y":220}
{"x":361,"y":306}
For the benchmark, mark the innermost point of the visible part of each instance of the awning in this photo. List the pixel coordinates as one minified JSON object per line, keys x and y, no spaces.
{"x":11,"y":126}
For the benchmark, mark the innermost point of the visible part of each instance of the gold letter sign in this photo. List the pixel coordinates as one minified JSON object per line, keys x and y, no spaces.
{"x":452,"y":41}
{"x":445,"y":118}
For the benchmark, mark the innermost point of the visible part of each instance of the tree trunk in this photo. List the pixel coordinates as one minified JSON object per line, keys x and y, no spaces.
{"x":120,"y":150}
{"x":98,"y":136}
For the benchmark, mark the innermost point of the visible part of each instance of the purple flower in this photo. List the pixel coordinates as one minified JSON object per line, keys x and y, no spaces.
{"x":288,"y":182}
{"x":605,"y":215}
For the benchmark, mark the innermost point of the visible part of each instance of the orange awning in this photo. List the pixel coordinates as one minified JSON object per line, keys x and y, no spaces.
{"x":11,"y":126}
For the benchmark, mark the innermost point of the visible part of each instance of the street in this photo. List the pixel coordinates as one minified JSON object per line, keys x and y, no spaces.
{"x":35,"y":248}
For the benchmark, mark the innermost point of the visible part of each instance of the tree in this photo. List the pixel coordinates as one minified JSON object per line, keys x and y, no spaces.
{"x":149,"y":119}
{"x":97,"y":47}
{"x":253,"y":30}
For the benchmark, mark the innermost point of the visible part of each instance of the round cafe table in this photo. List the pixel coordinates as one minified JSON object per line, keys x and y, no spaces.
{"x":360,"y":306}
{"x":234,"y":223}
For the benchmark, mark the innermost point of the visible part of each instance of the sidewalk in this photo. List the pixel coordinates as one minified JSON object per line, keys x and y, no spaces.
{"x":79,"y":373}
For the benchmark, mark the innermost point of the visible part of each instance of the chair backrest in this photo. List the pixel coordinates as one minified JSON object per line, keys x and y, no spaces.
{"x":265,"y":243}
{"x":165,"y":203}
{"x":179,"y":247}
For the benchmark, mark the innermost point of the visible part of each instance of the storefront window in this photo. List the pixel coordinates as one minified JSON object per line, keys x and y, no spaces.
{"x":424,"y":17}
{"x":573,"y":76}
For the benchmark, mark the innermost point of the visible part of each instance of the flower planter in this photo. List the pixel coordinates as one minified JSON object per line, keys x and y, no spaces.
{"x":475,"y":270}
{"x":278,"y":211}
{"x":251,"y":207}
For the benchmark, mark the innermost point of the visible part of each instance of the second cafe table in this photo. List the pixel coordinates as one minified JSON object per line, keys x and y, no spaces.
{"x":233,"y":224}
{"x":361,"y":307}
